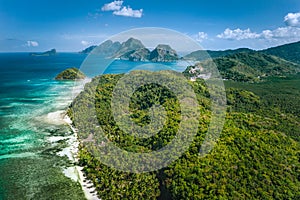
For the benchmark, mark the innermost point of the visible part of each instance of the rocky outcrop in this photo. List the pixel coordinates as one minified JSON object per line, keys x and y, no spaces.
{"x":134,"y":50}
{"x":106,"y":49}
{"x":130,"y":45}
{"x":137,"y":55}
{"x":163,"y":53}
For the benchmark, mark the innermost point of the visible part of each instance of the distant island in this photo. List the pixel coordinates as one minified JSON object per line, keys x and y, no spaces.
{"x":70,"y":74}
{"x":51,"y":52}
{"x":133,"y":50}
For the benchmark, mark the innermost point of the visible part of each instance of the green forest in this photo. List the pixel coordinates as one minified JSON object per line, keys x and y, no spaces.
{"x":70,"y":74}
{"x":248,"y":67}
{"x":256,"y":157}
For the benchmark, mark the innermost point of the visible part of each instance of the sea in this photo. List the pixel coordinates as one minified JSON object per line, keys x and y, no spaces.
{"x":34,"y":140}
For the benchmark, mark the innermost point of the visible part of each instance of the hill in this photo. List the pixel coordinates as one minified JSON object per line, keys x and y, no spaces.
{"x":253,"y":158}
{"x":247,"y":67}
{"x":70,"y":74}
{"x":201,"y":55}
{"x":290,"y":52}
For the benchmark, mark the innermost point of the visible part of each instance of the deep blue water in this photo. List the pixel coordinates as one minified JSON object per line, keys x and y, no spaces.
{"x":30,"y":105}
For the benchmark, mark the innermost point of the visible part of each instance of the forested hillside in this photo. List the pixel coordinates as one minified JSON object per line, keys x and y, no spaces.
{"x":290,"y":52}
{"x":256,"y":156}
{"x":248,"y":67}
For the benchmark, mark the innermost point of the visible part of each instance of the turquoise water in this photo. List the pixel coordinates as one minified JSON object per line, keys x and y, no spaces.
{"x":31,"y":132}
{"x":30,"y":105}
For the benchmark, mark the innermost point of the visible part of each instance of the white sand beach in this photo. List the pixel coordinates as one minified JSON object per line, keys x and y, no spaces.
{"x":76,"y":173}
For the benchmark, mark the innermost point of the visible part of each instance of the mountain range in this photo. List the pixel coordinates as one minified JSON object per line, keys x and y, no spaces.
{"x":133,"y":50}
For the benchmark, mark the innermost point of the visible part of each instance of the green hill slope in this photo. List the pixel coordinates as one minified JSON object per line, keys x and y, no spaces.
{"x":290,"y":52}
{"x":70,"y":74}
{"x":201,"y":55}
{"x":253,"y":159}
{"x":250,"y":67}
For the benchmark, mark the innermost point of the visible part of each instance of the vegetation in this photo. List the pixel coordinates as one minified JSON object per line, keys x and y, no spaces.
{"x":290,"y":52}
{"x":201,"y":55}
{"x":249,"y":67}
{"x":256,"y":157}
{"x":70,"y":74}
{"x":133,"y":50}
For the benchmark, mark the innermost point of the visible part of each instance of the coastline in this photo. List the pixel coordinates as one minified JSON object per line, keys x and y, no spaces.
{"x":76,"y":173}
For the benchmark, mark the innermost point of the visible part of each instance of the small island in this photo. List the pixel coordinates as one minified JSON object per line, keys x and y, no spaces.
{"x":51,"y":52}
{"x":70,"y":74}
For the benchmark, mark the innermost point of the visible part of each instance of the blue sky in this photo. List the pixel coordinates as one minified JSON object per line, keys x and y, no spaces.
{"x":38,"y":25}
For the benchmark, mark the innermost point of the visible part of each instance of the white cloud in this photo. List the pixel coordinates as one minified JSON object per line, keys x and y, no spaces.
{"x":31,"y":43}
{"x":268,"y":34}
{"x":274,"y":37}
{"x":201,"y":36}
{"x":112,"y":6}
{"x":284,"y":33}
{"x":129,"y":12}
{"x":120,"y":10}
{"x":85,"y":43}
{"x":292,"y":19}
{"x":238,"y":34}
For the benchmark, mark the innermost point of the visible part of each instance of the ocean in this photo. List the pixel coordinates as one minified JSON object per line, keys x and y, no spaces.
{"x":31,"y":131}
{"x":33,"y":139}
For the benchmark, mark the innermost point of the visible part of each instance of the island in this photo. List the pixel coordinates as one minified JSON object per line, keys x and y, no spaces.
{"x":51,"y":52}
{"x":133,"y":50}
{"x":70,"y":74}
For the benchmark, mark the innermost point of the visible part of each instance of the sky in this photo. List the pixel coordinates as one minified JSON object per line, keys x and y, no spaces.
{"x":70,"y":26}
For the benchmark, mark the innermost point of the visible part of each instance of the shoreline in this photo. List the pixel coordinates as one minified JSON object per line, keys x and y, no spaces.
{"x":76,"y":173}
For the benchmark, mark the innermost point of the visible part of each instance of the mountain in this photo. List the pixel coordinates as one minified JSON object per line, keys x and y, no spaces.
{"x":70,"y":74}
{"x":141,"y":54}
{"x":203,"y":54}
{"x":106,"y":49}
{"x":163,"y":53}
{"x":246,"y":67}
{"x":51,"y":52}
{"x":88,"y":50}
{"x":133,"y":50}
{"x":290,"y":52}
{"x":130,"y":45}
